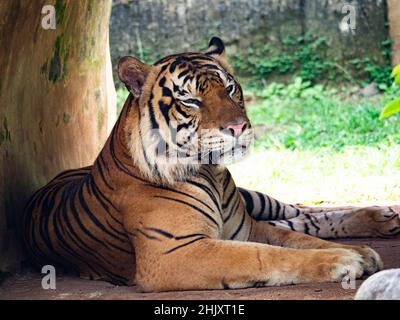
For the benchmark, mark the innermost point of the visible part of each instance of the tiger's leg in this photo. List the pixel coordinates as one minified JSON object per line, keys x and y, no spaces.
{"x":266,"y":233}
{"x":339,"y":222}
{"x":196,"y":257}
{"x":381,"y":222}
{"x":263,"y":207}
{"x":221,"y":264}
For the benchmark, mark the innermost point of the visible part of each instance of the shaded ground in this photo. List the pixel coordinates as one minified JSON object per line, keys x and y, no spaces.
{"x":28,"y":286}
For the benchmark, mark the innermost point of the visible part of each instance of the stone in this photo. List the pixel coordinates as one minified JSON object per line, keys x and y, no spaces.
{"x":370,"y":90}
{"x":384,"y":285}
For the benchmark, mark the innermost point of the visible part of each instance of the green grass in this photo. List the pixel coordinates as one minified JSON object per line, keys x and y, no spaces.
{"x":302,"y":117}
{"x":318,"y":145}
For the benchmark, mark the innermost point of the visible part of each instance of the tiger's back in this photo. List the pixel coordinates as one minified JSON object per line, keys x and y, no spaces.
{"x":71,"y":223}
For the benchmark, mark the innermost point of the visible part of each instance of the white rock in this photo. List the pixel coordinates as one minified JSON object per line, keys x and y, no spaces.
{"x":384,"y":285}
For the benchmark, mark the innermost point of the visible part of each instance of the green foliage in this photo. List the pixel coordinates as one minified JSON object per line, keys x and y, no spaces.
{"x":302,"y":55}
{"x":305,"y":57}
{"x":303,"y":116}
{"x":372,"y":71}
{"x":396,"y":74}
{"x":146,"y":55}
{"x":393,"y":106}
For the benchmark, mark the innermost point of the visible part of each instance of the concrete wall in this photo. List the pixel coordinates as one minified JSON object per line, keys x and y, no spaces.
{"x":153,"y":28}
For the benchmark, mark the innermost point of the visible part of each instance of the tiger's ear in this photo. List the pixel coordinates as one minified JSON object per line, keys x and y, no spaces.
{"x":133,"y":74}
{"x":216,"y":48}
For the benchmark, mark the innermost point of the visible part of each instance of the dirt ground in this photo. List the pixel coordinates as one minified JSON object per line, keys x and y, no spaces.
{"x":28,"y":285}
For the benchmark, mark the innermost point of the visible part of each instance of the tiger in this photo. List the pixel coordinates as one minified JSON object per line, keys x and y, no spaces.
{"x":135,"y":218}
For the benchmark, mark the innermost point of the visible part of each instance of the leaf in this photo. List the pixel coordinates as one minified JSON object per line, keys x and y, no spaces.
{"x":397,"y":79}
{"x":396,"y":72}
{"x":390,"y":109}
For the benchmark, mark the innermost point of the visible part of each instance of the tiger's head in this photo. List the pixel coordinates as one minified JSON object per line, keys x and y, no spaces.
{"x":190,"y":113}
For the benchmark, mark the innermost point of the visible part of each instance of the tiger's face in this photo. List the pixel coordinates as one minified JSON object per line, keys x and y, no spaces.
{"x":191,"y":109}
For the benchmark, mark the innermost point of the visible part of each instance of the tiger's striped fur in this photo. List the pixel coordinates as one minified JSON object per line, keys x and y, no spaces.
{"x":132,"y":218}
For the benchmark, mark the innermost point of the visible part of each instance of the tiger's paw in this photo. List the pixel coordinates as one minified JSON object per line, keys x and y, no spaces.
{"x":337,"y":264}
{"x":384,"y":222}
{"x":372,"y":262}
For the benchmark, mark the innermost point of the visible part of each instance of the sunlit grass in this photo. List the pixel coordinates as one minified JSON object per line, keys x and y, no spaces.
{"x":356,"y":175}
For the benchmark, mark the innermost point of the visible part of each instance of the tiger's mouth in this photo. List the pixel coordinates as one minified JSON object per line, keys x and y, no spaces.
{"x":209,"y":147}
{"x":224,"y":148}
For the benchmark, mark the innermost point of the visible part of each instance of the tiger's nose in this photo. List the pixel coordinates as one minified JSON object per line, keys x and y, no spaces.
{"x":236,"y":128}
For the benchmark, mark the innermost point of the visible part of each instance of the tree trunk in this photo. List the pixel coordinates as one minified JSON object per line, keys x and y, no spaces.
{"x":394,"y":21}
{"x":57,"y":100}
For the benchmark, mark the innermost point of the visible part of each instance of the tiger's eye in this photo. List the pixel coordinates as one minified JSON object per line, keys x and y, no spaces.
{"x":191,"y":102}
{"x":230,"y":88}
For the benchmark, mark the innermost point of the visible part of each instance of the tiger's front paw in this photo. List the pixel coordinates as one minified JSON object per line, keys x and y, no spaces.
{"x":372,"y":262}
{"x":334,"y":265}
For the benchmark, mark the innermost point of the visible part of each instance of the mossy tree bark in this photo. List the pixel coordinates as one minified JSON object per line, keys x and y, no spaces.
{"x":394,"y":21}
{"x":57,"y":100}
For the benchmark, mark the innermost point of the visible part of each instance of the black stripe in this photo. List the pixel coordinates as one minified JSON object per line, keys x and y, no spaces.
{"x":270,"y":213}
{"x":278,"y":209}
{"x":88,"y":250}
{"x":180,"y":192}
{"x":184,"y":245}
{"x":290,"y":224}
{"x":211,"y":183}
{"x":154,"y":123}
{"x":179,"y":110}
{"x":227,"y":180}
{"x":192,"y":206}
{"x":233,"y":210}
{"x":251,"y":229}
{"x":183,"y":73}
{"x":208,"y":191}
{"x":103,"y":178}
{"x":190,"y":236}
{"x":164,"y":108}
{"x":95,"y":191}
{"x":312,"y":222}
{"x":229,"y":200}
{"x":248,"y":200}
{"x":239,"y":228}
{"x":262,"y":209}
{"x":96,"y":222}
{"x":306,"y":228}
{"x":148,"y":236}
{"x":118,"y":163}
{"x":79,"y":222}
{"x":162,"y":232}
